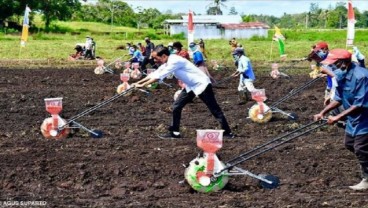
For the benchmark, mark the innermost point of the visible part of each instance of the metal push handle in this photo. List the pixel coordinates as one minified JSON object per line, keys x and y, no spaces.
{"x":281,"y":140}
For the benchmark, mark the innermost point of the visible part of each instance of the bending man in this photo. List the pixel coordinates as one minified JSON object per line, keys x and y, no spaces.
{"x":197,"y":84}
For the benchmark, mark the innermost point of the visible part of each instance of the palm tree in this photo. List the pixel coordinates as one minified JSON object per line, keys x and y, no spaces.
{"x":214,"y":8}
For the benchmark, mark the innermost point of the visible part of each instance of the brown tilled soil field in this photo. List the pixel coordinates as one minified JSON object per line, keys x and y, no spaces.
{"x":131,"y":167}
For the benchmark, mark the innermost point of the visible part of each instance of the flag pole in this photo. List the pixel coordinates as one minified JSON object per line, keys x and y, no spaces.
{"x":271,"y":50}
{"x":20,"y":51}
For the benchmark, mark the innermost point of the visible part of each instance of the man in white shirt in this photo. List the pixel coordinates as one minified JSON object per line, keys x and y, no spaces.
{"x":197,"y":84}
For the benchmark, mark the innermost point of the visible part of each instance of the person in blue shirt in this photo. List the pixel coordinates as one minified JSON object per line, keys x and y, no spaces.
{"x":352,"y":93}
{"x":136,"y":56}
{"x":246,"y":74}
{"x":199,"y":60}
{"x":196,"y":84}
{"x":319,"y":53}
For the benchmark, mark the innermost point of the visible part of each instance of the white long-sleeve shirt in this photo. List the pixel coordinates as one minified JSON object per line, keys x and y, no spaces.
{"x":194,"y":78}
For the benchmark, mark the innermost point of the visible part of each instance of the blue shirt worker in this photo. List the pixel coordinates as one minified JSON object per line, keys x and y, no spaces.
{"x":137,"y":55}
{"x":199,"y":60}
{"x":319,"y":53}
{"x":352,"y":93}
{"x":196,"y":84}
{"x":246,"y":74}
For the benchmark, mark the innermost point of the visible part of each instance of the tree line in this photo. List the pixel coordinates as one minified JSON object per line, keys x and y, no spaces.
{"x":119,"y":13}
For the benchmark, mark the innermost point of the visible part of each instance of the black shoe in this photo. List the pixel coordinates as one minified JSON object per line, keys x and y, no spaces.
{"x":169,"y":135}
{"x":229,"y":136}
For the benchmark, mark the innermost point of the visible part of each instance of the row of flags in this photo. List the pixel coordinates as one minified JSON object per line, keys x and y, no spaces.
{"x":279,"y":38}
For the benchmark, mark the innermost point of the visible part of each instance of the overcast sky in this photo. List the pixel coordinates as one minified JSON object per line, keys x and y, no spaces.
{"x":268,"y":7}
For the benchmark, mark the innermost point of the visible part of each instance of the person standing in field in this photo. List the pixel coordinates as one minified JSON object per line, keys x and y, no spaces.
{"x":88,"y":46}
{"x":319,"y":53}
{"x":196,"y":84}
{"x":202,"y":48}
{"x":233,"y":44}
{"x":199,"y":60}
{"x":137,"y":56}
{"x":247,"y":77}
{"x":147,"y":55}
{"x":141,"y":48}
{"x":352,"y":93}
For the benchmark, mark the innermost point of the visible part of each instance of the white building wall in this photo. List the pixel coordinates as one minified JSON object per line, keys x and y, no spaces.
{"x":245,"y":33}
{"x":212,"y":32}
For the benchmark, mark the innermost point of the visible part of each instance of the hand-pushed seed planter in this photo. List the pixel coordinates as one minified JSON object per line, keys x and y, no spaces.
{"x":124,"y":77}
{"x":101,"y":68}
{"x":56,"y":127}
{"x":136,"y":74}
{"x":208,"y":174}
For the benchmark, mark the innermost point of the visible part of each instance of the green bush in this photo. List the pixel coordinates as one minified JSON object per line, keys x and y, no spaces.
{"x":180,"y":36}
{"x":43,"y":36}
{"x":58,"y":29}
{"x":257,"y":38}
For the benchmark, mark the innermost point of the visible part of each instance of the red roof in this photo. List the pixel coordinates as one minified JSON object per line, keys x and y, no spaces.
{"x":245,"y":25}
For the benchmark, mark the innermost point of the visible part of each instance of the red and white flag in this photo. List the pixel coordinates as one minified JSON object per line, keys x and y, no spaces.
{"x":351,"y":24}
{"x":190,"y":28}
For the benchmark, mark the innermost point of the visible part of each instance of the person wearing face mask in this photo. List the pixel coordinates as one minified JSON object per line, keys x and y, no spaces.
{"x":180,"y":51}
{"x":171,"y":48}
{"x":247,"y":77}
{"x":147,"y":55}
{"x":196,"y":84}
{"x":202,"y":48}
{"x":352,"y":93}
{"x":319,"y":53}
{"x":199,"y":60}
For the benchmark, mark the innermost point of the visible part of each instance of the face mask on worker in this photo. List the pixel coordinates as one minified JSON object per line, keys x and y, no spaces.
{"x":175,"y":51}
{"x":193,"y":48}
{"x":236,"y":57}
{"x":322,"y":54}
{"x":340,"y":74}
{"x":339,"y":69}
{"x":171,"y":50}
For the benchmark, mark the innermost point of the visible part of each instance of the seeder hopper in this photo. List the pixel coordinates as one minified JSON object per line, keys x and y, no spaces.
{"x":207,"y":173}
{"x":262,"y":113}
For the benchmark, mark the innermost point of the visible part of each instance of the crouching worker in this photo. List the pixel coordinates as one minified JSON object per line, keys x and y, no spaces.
{"x":196,"y":84}
{"x":245,"y":71}
{"x":352,"y":93}
{"x":78,"y":53}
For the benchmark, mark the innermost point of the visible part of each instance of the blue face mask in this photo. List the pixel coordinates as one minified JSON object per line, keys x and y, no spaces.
{"x":340,"y":74}
{"x":193,"y":48}
{"x":322,"y":54}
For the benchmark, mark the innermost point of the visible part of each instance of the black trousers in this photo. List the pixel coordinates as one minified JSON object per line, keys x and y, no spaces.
{"x":208,"y":97}
{"x":88,"y":54}
{"x":146,"y":61}
{"x":359,"y":146}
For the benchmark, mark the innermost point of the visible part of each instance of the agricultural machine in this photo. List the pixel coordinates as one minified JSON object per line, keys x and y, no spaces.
{"x":262,"y":113}
{"x":56,"y":127}
{"x":207,"y":173}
